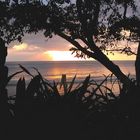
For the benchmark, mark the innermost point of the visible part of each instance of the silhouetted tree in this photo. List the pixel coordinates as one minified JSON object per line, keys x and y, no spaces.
{"x":86,"y":24}
{"x":3,"y":53}
{"x":131,"y":27}
{"x":90,"y":26}
{"x":124,"y":26}
{"x":8,"y":33}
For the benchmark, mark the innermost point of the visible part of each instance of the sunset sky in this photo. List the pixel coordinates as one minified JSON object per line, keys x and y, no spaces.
{"x":38,"y":48}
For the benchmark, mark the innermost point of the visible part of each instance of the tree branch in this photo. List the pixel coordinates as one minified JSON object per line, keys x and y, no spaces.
{"x":76,"y":44}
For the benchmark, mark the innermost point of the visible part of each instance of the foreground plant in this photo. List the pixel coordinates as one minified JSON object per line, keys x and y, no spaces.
{"x":89,"y":93}
{"x":68,"y":105}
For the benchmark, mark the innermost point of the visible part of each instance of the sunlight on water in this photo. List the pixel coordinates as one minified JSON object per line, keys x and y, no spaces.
{"x":54,"y":70}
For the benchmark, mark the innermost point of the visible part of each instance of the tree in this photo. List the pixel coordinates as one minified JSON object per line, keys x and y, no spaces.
{"x":132,"y":26}
{"x":88,"y":25}
{"x":126,"y":26}
{"x":84,"y":24}
{"x":6,"y":35}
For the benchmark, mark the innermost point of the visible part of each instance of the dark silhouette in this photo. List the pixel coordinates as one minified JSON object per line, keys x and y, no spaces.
{"x":38,"y":110}
{"x":86,"y":21}
{"x":5,"y":116}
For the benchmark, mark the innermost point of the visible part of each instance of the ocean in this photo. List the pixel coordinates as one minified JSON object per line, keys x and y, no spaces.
{"x":53,"y":70}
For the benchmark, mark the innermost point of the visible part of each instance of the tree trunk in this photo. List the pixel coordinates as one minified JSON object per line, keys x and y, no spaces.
{"x":98,"y":55}
{"x":103,"y":59}
{"x":3,"y":68}
{"x":3,"y":82}
{"x":137,"y":66}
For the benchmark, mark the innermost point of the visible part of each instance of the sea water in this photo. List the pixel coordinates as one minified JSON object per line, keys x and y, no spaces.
{"x":53,"y":70}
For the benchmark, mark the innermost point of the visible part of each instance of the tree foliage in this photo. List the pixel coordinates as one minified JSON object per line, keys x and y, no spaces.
{"x":91,"y":26}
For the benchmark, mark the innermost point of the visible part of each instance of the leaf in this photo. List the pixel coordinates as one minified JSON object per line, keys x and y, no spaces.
{"x":99,"y":86}
{"x":12,"y":75}
{"x":64,"y":83}
{"x":33,"y":87}
{"x":55,"y":88}
{"x":25,"y":70}
{"x":45,"y":83}
{"x":71,"y":84}
{"x":84,"y":86}
{"x":20,"y":87}
{"x":20,"y":91}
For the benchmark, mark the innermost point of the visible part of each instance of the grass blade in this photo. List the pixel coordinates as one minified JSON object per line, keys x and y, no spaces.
{"x":71,"y":84}
{"x":12,"y":75}
{"x":64,"y":83}
{"x":33,"y":87}
{"x":20,"y":88}
{"x":25,"y":70}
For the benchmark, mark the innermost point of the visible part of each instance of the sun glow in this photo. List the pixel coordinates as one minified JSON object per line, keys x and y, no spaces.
{"x":67,"y":56}
{"x":60,"y":56}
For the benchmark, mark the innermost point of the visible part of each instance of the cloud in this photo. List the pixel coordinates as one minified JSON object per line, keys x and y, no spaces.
{"x":34,"y":46}
{"x":25,"y":48}
{"x":24,"y":52}
{"x":55,"y":43}
{"x":20,"y":47}
{"x":37,"y":48}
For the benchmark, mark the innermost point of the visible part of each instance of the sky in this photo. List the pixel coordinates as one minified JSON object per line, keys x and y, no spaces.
{"x":38,"y":48}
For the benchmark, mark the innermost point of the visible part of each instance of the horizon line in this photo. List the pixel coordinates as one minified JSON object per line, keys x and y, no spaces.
{"x":58,"y":60}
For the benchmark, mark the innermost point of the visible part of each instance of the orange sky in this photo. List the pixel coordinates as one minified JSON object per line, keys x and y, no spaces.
{"x":36,"y":48}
